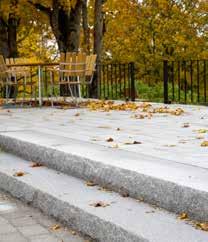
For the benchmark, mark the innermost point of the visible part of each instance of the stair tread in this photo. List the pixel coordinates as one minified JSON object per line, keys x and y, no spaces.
{"x":139,"y":219}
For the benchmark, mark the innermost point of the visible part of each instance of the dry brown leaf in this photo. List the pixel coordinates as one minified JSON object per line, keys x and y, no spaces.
{"x":90,"y":183}
{"x":186,"y":125}
{"x":202,"y":226}
{"x":19,"y":173}
{"x":77,"y":115}
{"x":109,"y":140}
{"x":124,"y":194}
{"x":204,"y":144}
{"x":73,"y":232}
{"x":36,"y":164}
{"x":183,"y":216}
{"x":55,"y":227}
{"x":118,"y":129}
{"x":115,"y":146}
{"x":99,"y":204}
{"x":104,"y":189}
{"x":133,"y":143}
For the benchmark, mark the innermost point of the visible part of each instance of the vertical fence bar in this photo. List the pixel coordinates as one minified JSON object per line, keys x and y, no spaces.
{"x":198,"y":87}
{"x":191,"y":73}
{"x":133,"y":91}
{"x":172,"y":77}
{"x":116,"y":84}
{"x":120,"y":80}
{"x":165,"y":81}
{"x":124,"y":86}
{"x":205,"y":83}
{"x":179,"y":81}
{"x":185,"y":80}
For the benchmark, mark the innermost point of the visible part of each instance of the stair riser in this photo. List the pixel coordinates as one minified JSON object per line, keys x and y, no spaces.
{"x":74,"y":217}
{"x":171,"y":196}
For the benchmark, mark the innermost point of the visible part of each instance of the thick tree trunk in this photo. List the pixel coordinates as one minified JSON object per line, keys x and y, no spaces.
{"x":86,"y":29}
{"x":12,"y":35}
{"x":4,"y":48}
{"x":98,"y":43}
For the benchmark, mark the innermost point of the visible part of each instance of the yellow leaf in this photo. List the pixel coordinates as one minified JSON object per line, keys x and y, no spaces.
{"x":19,"y":173}
{"x":204,"y":144}
{"x":55,"y":227}
{"x":183,"y":216}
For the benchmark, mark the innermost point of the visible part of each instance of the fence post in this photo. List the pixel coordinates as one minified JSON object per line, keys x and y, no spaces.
{"x":133,"y":91}
{"x":165,"y":81}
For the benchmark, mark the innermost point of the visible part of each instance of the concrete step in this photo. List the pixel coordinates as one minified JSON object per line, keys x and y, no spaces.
{"x":71,"y":201}
{"x":175,"y":186}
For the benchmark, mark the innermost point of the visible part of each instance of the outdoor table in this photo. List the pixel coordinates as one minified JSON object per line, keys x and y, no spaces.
{"x":40,"y":66}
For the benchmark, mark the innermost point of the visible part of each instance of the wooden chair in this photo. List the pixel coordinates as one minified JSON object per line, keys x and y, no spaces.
{"x":12,"y":78}
{"x":71,"y":72}
{"x":74,"y":70}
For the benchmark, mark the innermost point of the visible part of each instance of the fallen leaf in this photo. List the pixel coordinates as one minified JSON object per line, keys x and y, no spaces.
{"x":100,"y":204}
{"x":183,"y":216}
{"x":133,"y":143}
{"x":104,"y":189}
{"x":36,"y":164}
{"x":118,"y":129}
{"x":124,"y":194}
{"x":55,"y":227}
{"x":115,"y":146}
{"x":186,"y":125}
{"x":73,"y":232}
{"x":90,"y":183}
{"x":77,"y":115}
{"x":109,"y":140}
{"x":202,"y":131}
{"x":204,"y":144}
{"x":19,"y":173}
{"x":202,"y":226}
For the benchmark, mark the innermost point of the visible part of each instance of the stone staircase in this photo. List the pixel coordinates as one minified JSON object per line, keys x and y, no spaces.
{"x":130,"y":197}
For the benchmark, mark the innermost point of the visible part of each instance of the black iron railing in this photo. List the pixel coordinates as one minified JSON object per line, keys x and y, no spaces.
{"x":185,"y":81}
{"x":116,"y":81}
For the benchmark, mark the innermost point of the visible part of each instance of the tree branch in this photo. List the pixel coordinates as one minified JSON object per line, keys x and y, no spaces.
{"x":40,"y":7}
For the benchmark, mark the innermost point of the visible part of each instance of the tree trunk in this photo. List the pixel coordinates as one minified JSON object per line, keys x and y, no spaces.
{"x":98,"y":43}
{"x":12,"y":35}
{"x":86,"y":29}
{"x":4,"y":48}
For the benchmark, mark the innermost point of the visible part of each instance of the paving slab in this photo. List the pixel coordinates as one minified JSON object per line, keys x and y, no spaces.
{"x":29,"y":224}
{"x":70,"y":200}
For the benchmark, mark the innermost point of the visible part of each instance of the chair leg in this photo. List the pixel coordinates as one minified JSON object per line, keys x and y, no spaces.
{"x":51,"y":88}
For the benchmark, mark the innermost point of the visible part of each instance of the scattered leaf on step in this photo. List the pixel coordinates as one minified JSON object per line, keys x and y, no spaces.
{"x":140,"y":199}
{"x":186,"y":125}
{"x":110,"y":139}
{"x":124,"y":194}
{"x":118,"y":129}
{"x":202,"y":131}
{"x":183,"y":216}
{"x":73,"y":232}
{"x":115,"y":146}
{"x":104,"y":127}
{"x":99,"y":204}
{"x":104,"y":189}
{"x":19,"y":173}
{"x":199,"y":137}
{"x":77,"y":115}
{"x":55,"y":227}
{"x":36,"y":164}
{"x":133,"y":143}
{"x":170,"y":145}
{"x":204,"y":144}
{"x":152,"y":211}
{"x":90,"y":183}
{"x":202,"y":226}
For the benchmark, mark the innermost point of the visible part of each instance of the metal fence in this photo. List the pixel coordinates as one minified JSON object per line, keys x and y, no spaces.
{"x":185,"y":81}
{"x":116,"y":81}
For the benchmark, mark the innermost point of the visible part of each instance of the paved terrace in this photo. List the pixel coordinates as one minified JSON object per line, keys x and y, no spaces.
{"x":164,"y":135}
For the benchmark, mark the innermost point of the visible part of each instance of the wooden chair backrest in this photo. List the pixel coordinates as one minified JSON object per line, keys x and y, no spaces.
{"x":90,"y":64}
{"x":74,"y":64}
{"x":3,"y":66}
